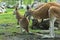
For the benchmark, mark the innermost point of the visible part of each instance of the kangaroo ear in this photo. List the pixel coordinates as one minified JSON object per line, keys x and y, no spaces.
{"x":16,"y":6}
{"x":28,"y":7}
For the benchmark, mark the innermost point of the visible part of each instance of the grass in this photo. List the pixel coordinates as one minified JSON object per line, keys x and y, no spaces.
{"x":9,"y":18}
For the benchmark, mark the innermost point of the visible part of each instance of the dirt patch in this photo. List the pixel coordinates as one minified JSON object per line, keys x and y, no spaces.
{"x":19,"y":36}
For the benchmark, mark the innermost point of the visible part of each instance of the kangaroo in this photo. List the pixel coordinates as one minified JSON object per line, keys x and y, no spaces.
{"x":48,"y":10}
{"x":22,"y":20}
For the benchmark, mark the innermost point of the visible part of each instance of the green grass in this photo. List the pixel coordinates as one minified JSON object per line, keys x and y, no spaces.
{"x":9,"y":18}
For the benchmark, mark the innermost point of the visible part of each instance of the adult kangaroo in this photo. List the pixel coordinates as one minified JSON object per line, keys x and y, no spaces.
{"x":48,"y":10}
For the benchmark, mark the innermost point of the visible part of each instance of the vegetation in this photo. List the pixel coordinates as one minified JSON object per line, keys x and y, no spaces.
{"x":25,"y":1}
{"x":47,"y":1}
{"x":8,"y":22}
{"x":9,"y":18}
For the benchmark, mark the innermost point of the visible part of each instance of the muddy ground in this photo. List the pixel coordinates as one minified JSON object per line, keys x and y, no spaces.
{"x":18,"y":36}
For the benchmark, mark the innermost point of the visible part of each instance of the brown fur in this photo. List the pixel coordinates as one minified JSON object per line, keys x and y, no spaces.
{"x":22,"y":20}
{"x":42,"y":12}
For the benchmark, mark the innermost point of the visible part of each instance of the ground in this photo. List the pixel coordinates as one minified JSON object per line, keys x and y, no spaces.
{"x":8,"y":26}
